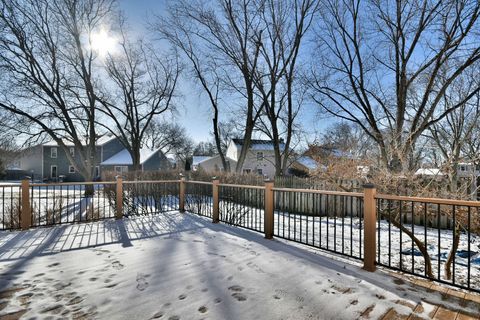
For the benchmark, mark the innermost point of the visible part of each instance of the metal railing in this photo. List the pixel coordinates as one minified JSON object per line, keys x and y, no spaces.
{"x":198,"y":198}
{"x":70,"y":202}
{"x":242,"y":206}
{"x":332,"y":221}
{"x":147,"y":197}
{"x":434,"y":238}
{"x":10,"y":206}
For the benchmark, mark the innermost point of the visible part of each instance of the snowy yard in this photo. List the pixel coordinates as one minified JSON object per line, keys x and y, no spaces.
{"x":181,"y":266}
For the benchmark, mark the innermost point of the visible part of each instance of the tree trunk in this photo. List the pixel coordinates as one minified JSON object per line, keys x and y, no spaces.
{"x":249,"y":126}
{"x":218,"y":144}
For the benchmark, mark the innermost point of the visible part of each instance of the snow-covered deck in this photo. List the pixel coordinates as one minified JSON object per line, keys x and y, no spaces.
{"x":181,"y":266}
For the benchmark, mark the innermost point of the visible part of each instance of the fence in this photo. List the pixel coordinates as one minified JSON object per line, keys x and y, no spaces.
{"x":400,"y":233}
{"x":41,"y":204}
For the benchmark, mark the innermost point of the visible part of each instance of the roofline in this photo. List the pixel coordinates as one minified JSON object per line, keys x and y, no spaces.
{"x":46,"y":144}
{"x":216,"y":156}
{"x":123,"y":164}
{"x":151,"y":155}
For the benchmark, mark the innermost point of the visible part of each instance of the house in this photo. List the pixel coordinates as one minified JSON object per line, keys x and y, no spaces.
{"x":429,"y":172}
{"x":260,"y":158}
{"x":305,"y":165}
{"x":150,"y":160}
{"x":211,"y":164}
{"x":468,"y":170}
{"x":48,"y":161}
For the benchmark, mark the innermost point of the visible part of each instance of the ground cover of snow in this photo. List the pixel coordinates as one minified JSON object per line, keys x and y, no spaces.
{"x":181,"y":266}
{"x":52,"y":205}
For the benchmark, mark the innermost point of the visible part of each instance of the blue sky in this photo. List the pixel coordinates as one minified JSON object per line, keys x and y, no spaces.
{"x":193,"y":112}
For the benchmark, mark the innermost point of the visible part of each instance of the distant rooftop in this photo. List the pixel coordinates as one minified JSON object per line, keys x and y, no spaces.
{"x":125,"y":159}
{"x":308,"y":162}
{"x":100,"y":141}
{"x":259,"y":144}
{"x":199,"y":159}
{"x":428,"y":172}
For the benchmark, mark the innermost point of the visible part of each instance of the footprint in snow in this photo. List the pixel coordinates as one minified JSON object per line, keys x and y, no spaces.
{"x":142,"y":284}
{"x":239,"y":296}
{"x":117,"y":265}
{"x":236,"y":288}
{"x":157,"y":315}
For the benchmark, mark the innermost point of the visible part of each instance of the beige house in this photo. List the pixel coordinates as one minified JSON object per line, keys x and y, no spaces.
{"x":260,"y":158}
{"x":210,"y":164}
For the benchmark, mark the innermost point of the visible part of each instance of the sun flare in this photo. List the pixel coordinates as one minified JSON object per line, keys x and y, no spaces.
{"x":103,"y":43}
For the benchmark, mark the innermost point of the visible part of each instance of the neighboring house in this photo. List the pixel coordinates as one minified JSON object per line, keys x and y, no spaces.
{"x":211,"y":164}
{"x":467,"y":170}
{"x":429,"y":172}
{"x":260,"y":158}
{"x":305,"y":164}
{"x":48,"y":161}
{"x":150,"y":160}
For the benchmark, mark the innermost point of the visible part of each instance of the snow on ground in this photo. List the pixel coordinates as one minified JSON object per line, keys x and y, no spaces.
{"x":181,"y":266}
{"x":396,"y":249}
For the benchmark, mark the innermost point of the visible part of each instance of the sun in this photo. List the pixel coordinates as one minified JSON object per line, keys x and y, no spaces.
{"x":103,"y":43}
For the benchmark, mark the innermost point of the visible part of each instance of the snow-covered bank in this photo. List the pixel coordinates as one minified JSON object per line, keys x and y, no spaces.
{"x":180,"y":266}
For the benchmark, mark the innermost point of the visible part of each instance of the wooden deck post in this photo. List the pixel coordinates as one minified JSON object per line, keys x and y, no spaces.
{"x":216,"y":200}
{"x":25,"y":209}
{"x":119,"y":200}
{"x":370,"y":220}
{"x":181,"y":196}
{"x":269,"y":207}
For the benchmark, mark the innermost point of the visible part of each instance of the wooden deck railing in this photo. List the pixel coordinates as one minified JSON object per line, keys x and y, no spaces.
{"x":397,"y":232}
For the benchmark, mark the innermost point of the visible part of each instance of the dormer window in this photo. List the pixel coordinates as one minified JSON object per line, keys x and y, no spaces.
{"x":259,"y":156}
{"x":53,"y":152}
{"x":72,"y":151}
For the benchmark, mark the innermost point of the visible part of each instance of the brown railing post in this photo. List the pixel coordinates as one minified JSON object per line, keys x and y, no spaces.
{"x":370,"y":220}
{"x":181,"y":197}
{"x":268,"y":213}
{"x":119,"y":201}
{"x":216,"y":200}
{"x":25,"y":210}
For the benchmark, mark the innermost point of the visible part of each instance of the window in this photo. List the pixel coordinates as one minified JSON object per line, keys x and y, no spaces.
{"x":53,"y":152}
{"x":97,"y":171}
{"x":121,"y":169}
{"x":71,"y":169}
{"x":260,"y":172}
{"x":463,"y":168}
{"x":259,"y":156}
{"x":72,"y":151}
{"x":53,"y":172}
{"x":247,"y":170}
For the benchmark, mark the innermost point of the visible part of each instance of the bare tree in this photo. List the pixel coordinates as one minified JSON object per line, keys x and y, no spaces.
{"x":284,"y":26}
{"x":220,"y":40}
{"x":144,"y":81}
{"x":170,"y":137}
{"x":229,"y":130}
{"x":49,"y":80}
{"x":453,"y":134}
{"x":386,"y":66}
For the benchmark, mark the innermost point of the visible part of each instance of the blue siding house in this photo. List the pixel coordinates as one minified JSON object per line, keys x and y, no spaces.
{"x":48,"y":161}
